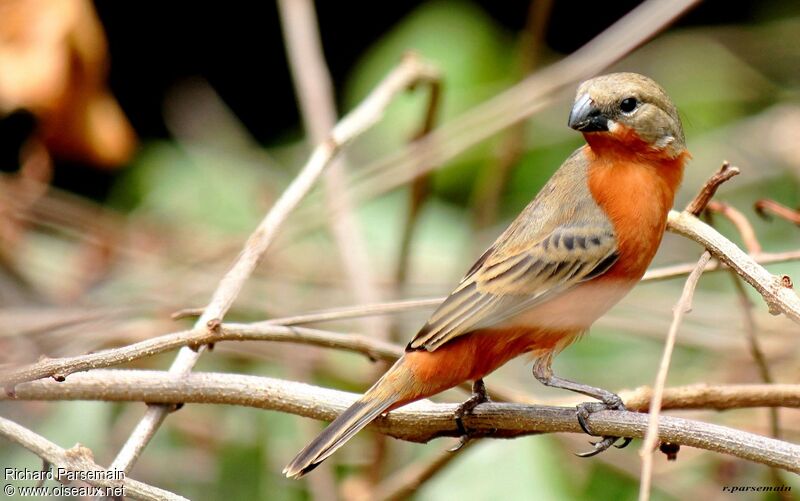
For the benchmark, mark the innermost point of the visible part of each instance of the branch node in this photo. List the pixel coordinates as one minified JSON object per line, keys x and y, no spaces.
{"x":786,"y":281}
{"x":10,"y":391}
{"x":59,"y":377}
{"x":214,"y":325}
{"x":80,"y":452}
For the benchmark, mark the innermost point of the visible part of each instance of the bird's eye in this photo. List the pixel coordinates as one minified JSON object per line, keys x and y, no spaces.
{"x":628,"y":104}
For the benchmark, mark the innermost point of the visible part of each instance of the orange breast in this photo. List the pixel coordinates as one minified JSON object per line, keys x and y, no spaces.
{"x":636,"y":192}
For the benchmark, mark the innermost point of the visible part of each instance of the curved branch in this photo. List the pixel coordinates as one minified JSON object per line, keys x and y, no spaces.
{"x":423,"y":421}
{"x":60,"y":368}
{"x":236,"y":389}
{"x":79,"y":459}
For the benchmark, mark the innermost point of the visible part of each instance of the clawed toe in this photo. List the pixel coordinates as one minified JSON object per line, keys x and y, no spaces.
{"x":478,"y":397}
{"x":599,"y":447}
{"x":462,"y":441}
{"x":625,"y":442}
{"x":583,"y":412}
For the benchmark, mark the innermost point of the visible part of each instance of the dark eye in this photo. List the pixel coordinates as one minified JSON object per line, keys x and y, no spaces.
{"x":628,"y":104}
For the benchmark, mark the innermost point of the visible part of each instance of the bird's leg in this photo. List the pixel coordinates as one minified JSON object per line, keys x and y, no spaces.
{"x":478,"y":397}
{"x":543,"y":371}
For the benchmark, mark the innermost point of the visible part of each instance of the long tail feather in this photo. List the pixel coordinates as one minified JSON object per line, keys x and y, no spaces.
{"x":375,"y":401}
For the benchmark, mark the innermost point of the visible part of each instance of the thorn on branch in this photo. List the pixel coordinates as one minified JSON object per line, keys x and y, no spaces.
{"x":766,"y":208}
{"x":708,"y":190}
{"x":59,"y":377}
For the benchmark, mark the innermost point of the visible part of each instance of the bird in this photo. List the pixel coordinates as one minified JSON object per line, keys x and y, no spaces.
{"x":579,"y":247}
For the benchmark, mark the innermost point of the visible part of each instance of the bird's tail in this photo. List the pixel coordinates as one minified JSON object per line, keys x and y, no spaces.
{"x":388,"y":390}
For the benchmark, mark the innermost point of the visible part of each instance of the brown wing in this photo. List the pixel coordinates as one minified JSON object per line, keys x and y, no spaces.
{"x":561,"y":239}
{"x":503,"y":287}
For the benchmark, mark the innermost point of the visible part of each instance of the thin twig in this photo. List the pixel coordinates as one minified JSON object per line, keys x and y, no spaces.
{"x":755,"y":348}
{"x":60,"y":368}
{"x":80,"y":459}
{"x":683,"y":269}
{"x":346,"y":312}
{"x":766,"y":206}
{"x":315,"y":96}
{"x":683,"y":306}
{"x":518,"y":102}
{"x":772,"y":288}
{"x":423,"y":420}
{"x":708,"y":190}
{"x":753,"y":247}
{"x":494,"y":177}
{"x":419,"y":188}
{"x":743,"y":226}
{"x":410,"y":71}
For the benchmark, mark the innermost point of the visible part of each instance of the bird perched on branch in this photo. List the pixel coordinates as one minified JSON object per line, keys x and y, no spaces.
{"x":576,"y":250}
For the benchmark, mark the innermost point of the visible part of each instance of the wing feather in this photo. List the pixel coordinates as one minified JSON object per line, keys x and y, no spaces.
{"x":504,"y":284}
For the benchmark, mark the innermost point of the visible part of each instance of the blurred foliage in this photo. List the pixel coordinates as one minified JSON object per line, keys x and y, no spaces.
{"x":188,"y":203}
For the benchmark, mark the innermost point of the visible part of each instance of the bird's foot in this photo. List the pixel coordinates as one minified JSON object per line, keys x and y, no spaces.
{"x":478,"y":397}
{"x":585,"y":409}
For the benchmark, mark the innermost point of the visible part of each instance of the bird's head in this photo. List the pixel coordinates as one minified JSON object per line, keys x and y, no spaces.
{"x":628,"y":111}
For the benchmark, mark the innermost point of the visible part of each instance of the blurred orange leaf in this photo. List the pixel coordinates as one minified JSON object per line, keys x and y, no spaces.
{"x":53,"y":62}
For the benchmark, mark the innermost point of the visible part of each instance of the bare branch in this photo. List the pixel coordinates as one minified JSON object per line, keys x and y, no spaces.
{"x":748,"y":267}
{"x":679,"y":270}
{"x":59,"y":368}
{"x":776,"y":290}
{"x":683,"y":306}
{"x":743,"y":226}
{"x":315,"y":96}
{"x":410,"y":71}
{"x":710,"y":188}
{"x":359,"y":310}
{"x":715,"y":397}
{"x":423,"y":421}
{"x":766,"y":206}
{"x":234,"y":389}
{"x":518,"y":102}
{"x":80,"y":459}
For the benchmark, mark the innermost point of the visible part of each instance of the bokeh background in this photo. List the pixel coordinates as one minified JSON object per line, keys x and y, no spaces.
{"x":141,"y":142}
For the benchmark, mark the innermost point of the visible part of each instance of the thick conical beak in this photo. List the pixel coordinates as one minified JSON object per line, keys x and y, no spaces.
{"x":585,"y":117}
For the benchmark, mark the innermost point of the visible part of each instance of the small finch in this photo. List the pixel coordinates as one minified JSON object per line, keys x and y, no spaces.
{"x":580,"y":246}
